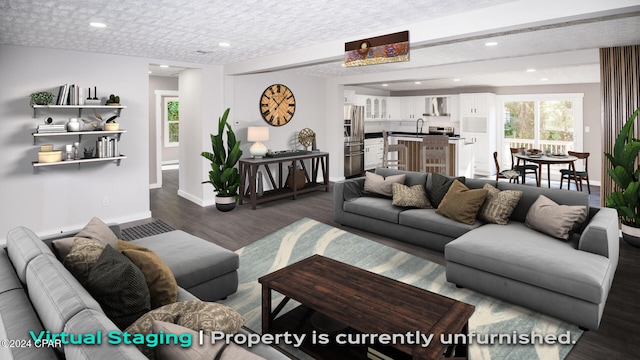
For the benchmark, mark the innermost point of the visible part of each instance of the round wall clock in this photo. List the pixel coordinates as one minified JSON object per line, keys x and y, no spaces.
{"x":277,"y":104}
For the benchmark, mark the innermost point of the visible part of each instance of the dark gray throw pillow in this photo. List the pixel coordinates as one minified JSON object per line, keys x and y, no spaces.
{"x":440,"y":184}
{"x":119,"y":287}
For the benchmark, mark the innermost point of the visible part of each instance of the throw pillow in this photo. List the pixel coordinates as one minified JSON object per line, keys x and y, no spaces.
{"x":162,"y":285}
{"x":82,"y":257}
{"x":193,"y":314}
{"x":95,"y":230}
{"x":440,"y":184}
{"x":499,"y":205}
{"x":98,"y":230}
{"x":415,"y":196}
{"x":204,"y":351}
{"x":555,"y":220}
{"x":377,"y":184}
{"x":119,"y":287}
{"x":462,"y":204}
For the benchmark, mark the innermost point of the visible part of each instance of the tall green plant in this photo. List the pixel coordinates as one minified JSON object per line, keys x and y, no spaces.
{"x":625,"y":174}
{"x":224,"y":176}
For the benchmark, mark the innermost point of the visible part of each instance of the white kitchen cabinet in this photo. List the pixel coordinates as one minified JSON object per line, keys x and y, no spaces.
{"x":373,"y":149}
{"x":477,"y":104}
{"x":394,"y":108}
{"x":411,"y":107}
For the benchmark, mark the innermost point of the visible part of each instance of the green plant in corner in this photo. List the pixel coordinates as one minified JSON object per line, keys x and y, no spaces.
{"x":224,"y":176}
{"x":625,"y":174}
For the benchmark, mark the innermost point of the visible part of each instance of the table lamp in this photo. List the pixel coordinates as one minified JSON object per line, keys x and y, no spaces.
{"x":258,"y":134}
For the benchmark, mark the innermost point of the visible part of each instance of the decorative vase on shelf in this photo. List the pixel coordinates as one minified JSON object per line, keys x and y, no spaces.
{"x":73,"y":124}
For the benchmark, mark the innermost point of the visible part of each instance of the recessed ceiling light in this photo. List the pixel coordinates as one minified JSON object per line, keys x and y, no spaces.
{"x":385,"y":85}
{"x":456,"y":79}
{"x":531,"y":70}
{"x":98,"y":24}
{"x":150,"y":71}
{"x":164,"y":66}
{"x":490,"y":43}
{"x":544,"y":79}
{"x":224,"y":44}
{"x":418,"y":82}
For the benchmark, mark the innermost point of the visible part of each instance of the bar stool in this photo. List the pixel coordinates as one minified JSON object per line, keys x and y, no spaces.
{"x":401,"y":149}
{"x":434,"y":154}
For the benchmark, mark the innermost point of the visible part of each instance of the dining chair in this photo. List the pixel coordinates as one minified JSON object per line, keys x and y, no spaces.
{"x":434,"y":154}
{"x":509,"y":174}
{"x":523,"y":169}
{"x":580,"y":175}
{"x":401,"y":149}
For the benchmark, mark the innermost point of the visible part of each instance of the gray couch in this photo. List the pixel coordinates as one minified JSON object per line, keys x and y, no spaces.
{"x":38,"y":293}
{"x":566,"y":279}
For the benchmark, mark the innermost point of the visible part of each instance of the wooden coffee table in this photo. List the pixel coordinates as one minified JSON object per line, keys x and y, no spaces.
{"x":366,"y":303}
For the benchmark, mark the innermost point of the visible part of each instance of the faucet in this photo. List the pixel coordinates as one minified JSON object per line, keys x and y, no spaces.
{"x":420,"y":126}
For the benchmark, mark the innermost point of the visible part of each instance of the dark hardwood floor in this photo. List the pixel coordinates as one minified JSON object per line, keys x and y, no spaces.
{"x":617,"y":338}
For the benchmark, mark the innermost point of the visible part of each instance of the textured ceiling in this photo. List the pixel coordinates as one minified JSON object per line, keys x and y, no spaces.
{"x":188,"y":31}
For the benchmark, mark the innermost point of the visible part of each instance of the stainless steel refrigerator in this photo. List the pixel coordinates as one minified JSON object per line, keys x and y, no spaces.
{"x":353,"y":140}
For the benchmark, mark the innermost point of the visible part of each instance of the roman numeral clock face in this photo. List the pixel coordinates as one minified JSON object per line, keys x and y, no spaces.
{"x":277,"y":104}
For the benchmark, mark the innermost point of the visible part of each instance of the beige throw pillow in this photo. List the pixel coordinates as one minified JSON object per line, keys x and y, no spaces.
{"x":83,"y":255}
{"x":499,"y":205}
{"x":555,"y":220}
{"x":461,"y":203}
{"x":415,"y":196}
{"x":377,"y":184}
{"x":204,"y":351}
{"x":95,"y":230}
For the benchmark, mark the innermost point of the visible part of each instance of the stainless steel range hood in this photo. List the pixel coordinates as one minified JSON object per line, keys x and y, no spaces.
{"x":437,"y":106}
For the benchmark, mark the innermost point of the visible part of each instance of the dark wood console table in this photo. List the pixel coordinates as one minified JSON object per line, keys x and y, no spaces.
{"x":249,"y":174}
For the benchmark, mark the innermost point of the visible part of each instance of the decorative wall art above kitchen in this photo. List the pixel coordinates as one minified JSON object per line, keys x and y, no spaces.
{"x":377,"y":50}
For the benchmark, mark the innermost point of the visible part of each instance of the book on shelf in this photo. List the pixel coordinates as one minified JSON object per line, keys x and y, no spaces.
{"x":70,"y":95}
{"x":51,"y":128}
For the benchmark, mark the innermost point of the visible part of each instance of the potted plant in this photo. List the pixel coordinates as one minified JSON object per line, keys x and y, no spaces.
{"x":224,"y":176}
{"x":625,"y":174}
{"x":41,"y":98}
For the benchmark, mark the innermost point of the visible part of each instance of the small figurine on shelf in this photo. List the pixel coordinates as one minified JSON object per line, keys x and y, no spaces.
{"x":113,"y":100}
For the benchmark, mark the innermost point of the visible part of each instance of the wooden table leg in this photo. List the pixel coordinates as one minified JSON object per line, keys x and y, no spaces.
{"x":243,"y":184}
{"x":252,"y":186}
{"x":539,"y":179}
{"x":266,"y":309}
{"x":549,"y":176}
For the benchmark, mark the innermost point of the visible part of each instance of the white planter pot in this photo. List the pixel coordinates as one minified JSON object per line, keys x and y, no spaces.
{"x":225,"y":203}
{"x":631,"y":235}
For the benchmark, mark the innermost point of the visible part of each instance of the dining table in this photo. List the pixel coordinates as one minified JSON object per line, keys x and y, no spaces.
{"x":542,"y":159}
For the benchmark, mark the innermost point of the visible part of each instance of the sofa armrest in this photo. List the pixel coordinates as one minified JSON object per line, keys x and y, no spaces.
{"x":600,"y":236}
{"x":344,"y":191}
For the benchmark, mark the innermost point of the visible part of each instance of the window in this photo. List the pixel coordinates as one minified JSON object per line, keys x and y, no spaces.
{"x":171,"y":121}
{"x":547,"y":122}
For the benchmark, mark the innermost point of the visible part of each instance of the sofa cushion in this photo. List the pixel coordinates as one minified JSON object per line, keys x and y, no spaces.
{"x":55,"y":294}
{"x":553,"y":219}
{"x":461,"y":203}
{"x":530,"y":195}
{"x":377,"y":208}
{"x":89,"y":322}
{"x":499,"y":205}
{"x":119,"y":286}
{"x":428,"y":220}
{"x":514,"y":251}
{"x":378,"y":184}
{"x":415,"y":196}
{"x":23,"y":245}
{"x":411,"y":177}
{"x":162,"y":285}
{"x":440,"y":184}
{"x":192,"y":260}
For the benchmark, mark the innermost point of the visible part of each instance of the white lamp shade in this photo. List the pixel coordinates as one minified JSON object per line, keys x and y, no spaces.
{"x":258,"y":133}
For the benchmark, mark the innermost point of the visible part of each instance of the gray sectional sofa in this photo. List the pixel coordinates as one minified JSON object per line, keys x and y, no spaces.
{"x":566,"y":279}
{"x":38,"y":293}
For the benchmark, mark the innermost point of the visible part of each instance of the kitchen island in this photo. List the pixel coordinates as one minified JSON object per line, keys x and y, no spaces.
{"x":460,"y":159}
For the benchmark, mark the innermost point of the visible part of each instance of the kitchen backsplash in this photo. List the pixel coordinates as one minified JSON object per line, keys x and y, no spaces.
{"x":408,"y":126}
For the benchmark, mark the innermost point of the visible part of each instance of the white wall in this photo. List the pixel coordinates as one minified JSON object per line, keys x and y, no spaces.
{"x":66,"y":197}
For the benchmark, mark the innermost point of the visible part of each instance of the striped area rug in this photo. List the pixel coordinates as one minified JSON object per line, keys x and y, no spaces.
{"x":306,"y":237}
